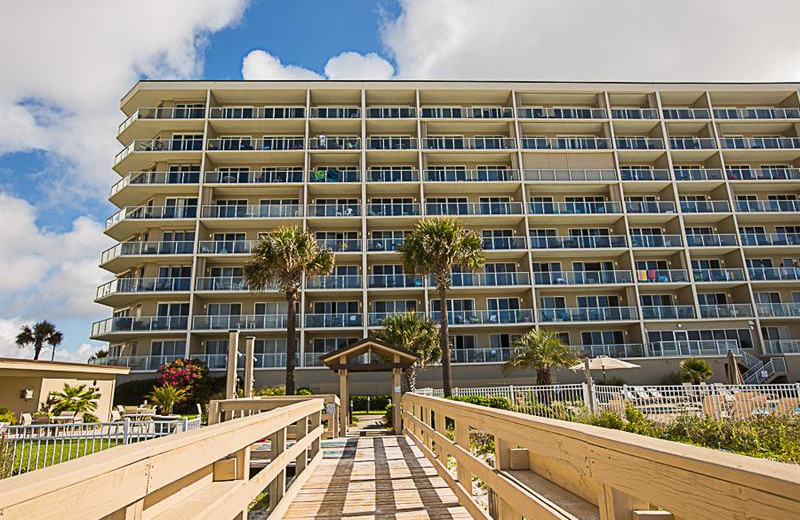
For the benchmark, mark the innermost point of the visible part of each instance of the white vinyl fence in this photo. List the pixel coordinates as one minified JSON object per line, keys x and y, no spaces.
{"x":657,"y":402}
{"x":26,"y":448}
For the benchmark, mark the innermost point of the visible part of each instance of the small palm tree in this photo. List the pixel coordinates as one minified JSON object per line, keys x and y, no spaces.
{"x":42,"y":332}
{"x":695,"y":371}
{"x":281,"y":259}
{"x":416,"y":334}
{"x":541,"y":350}
{"x":435,"y":247}
{"x":166,"y":396}
{"x":100,"y":354}
{"x":78,"y":399}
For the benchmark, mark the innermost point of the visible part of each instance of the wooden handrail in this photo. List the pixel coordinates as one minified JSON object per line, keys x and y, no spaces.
{"x":226,"y":409}
{"x":203,"y":473}
{"x":546,"y":468}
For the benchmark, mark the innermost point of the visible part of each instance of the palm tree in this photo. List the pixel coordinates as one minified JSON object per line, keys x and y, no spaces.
{"x":42,"y":332}
{"x":73,"y":399}
{"x":416,"y":334}
{"x":541,"y":350}
{"x":435,"y":247}
{"x":166,"y":396}
{"x":281,"y":259}
{"x":695,"y":371}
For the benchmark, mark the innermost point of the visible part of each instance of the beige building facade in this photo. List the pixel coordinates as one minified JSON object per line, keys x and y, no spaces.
{"x":644,"y":221}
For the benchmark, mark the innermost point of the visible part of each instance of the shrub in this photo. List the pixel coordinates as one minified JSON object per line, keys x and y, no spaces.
{"x":134,"y":392}
{"x":76,"y":399}
{"x":304,"y":391}
{"x":500,"y":403}
{"x":166,"y":396}
{"x":695,"y":371}
{"x":90,"y":418}
{"x":270,"y":390}
{"x":673,"y":378}
{"x":387,"y":417}
{"x":376,"y":402}
{"x":614,"y":381}
{"x":182,"y":373}
{"x":6,"y":415}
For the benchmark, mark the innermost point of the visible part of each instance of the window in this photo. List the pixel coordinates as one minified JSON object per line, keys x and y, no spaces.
{"x":454,"y":305}
{"x":710,"y":263}
{"x":172,"y":309}
{"x":168,"y":348}
{"x":462,"y":342}
{"x":598,"y":301}
{"x":324,"y":345}
{"x":393,"y":306}
{"x":270,"y":308}
{"x":225,"y":309}
{"x":338,"y":307}
{"x":552,"y":302}
{"x":767,"y":297}
{"x":651,"y":264}
{"x":603,"y":337}
{"x":712,"y":298}
{"x":226,"y":272}
{"x":503,"y":341}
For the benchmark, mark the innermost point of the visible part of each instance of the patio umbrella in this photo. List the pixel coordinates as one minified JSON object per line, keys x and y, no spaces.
{"x":734,"y":374}
{"x":601,"y":363}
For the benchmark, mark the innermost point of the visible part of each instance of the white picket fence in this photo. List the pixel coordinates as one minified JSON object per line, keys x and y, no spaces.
{"x":26,"y":448}
{"x":657,"y":402}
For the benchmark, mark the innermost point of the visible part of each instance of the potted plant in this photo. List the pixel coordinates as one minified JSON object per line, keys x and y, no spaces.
{"x":166,"y":396}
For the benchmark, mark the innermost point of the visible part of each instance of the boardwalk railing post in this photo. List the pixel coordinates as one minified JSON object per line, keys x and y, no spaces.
{"x":277,"y":487}
{"x":126,"y":431}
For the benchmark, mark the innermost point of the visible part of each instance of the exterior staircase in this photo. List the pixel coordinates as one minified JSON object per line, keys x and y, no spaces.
{"x":760,"y":372}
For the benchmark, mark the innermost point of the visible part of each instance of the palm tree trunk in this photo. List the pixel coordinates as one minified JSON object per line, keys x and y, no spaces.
{"x":37,"y":349}
{"x":291,"y":363}
{"x":444,"y":338}
{"x":410,"y":378}
{"x":543,"y":376}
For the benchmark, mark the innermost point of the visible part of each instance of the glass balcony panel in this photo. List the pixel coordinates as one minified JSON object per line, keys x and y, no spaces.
{"x":473,"y":208}
{"x":572,"y":314}
{"x":394,"y":210}
{"x":221,"y":283}
{"x":640,"y":143}
{"x":334,"y":210}
{"x":255,"y":177}
{"x":718,"y":275}
{"x":573,"y":208}
{"x":334,"y":143}
{"x":480,"y":355}
{"x":139,"y":324}
{"x":335,"y":112}
{"x":656,"y":240}
{"x":760,"y":143}
{"x":634,"y":113}
{"x":698,"y":174}
{"x":733,"y":310}
{"x":404,"y":175}
{"x":692,"y":143}
{"x":577,"y":242}
{"x":778,"y":310}
{"x":693,"y":348}
{"x":226,"y":247}
{"x":662,"y":275}
{"x":561,"y":113}
{"x":772,"y":174}
{"x":705,"y":206}
{"x":644,"y":174}
{"x":253,"y":211}
{"x":495,"y":243}
{"x":277,"y":112}
{"x":266,"y":144}
{"x":240,"y":322}
{"x":767,"y":206}
{"x":134,"y":285}
{"x":621,"y":350}
{"x":391,"y":112}
{"x":711,"y":240}
{"x":333,"y":320}
{"x":391,"y":143}
{"x":668,"y":312}
{"x":583,"y":277}
{"x":485,"y":317}
{"x":757,"y":113}
{"x":383,"y":281}
{"x":482,"y":175}
{"x":566,"y":143}
{"x":538,"y":175}
{"x":650,"y":206}
{"x":469,"y":143}
{"x":487,"y":279}
{"x":782,"y":346}
{"x":345,"y":281}
{"x":770,"y":239}
{"x":686,"y":113}
{"x":774,"y":273}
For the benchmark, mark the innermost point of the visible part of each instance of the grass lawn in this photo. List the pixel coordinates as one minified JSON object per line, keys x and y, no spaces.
{"x":31,"y":456}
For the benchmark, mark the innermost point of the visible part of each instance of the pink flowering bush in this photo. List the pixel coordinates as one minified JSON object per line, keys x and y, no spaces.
{"x":182,"y":373}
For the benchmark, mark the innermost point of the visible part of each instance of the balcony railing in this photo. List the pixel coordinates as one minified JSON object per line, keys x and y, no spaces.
{"x":770,"y":239}
{"x":668,"y":312}
{"x":334,"y":281}
{"x":728,"y":310}
{"x":662,"y":275}
{"x":333,"y":320}
{"x":761,"y":143}
{"x":656,"y":241}
{"x":335,"y":112}
{"x":561,"y":113}
{"x":160,"y":145}
{"x":537,"y":175}
{"x":697,"y":174}
{"x":486,"y":317}
{"x":334,"y":210}
{"x":221,"y":283}
{"x":480,"y":355}
{"x":473,"y":208}
{"x":266,"y":144}
{"x":394,"y":210}
{"x":392,"y":143}
{"x":482,"y":175}
{"x":137,"y":285}
{"x":163,"y":113}
{"x":634,"y":113}
{"x":226,"y":247}
{"x":774,"y":273}
{"x":566,"y":143}
{"x":640,"y":143}
{"x":469,"y":143}
{"x":583,"y":277}
{"x":705,"y":206}
{"x":718,"y":275}
{"x":334,"y":143}
{"x":151,"y":212}
{"x":467,"y":112}
{"x":385,"y":281}
{"x":693,"y":348}
{"x":578,"y":242}
{"x":278,"y":112}
{"x":139,"y":324}
{"x":646,"y":206}
{"x":139,"y":363}
{"x":341,"y":245}
{"x":147,"y":248}
{"x":573,"y":208}
{"x":692,"y":143}
{"x":240,"y":322}
{"x":782,"y":346}
{"x":333,"y":175}
{"x":778,"y":310}
{"x":404,"y":175}
{"x":375,"y":319}
{"x":771,"y":174}
{"x":757,"y":113}
{"x":504,"y":243}
{"x":644,"y":174}
{"x":767,"y":206}
{"x":155,"y":178}
{"x":620,"y":350}
{"x":253,"y":211}
{"x":384,"y":244}
{"x":686,"y":113}
{"x":573,"y":314}
{"x":391,"y":112}
{"x":486,"y":279}
{"x":711,"y":240}
{"x":255,"y":177}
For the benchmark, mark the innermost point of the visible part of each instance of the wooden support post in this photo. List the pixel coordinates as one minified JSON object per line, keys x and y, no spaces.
{"x":462,"y":471}
{"x":277,"y":487}
{"x":502,"y":457}
{"x":233,"y":358}
{"x":344,"y":397}
{"x":131,"y":512}
{"x":300,"y":431}
{"x":396,"y":392}
{"x":314,"y":421}
{"x":616,"y":505}
{"x":249,"y":365}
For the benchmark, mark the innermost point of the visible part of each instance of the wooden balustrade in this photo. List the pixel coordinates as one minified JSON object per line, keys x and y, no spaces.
{"x":210,"y":473}
{"x":546,"y":468}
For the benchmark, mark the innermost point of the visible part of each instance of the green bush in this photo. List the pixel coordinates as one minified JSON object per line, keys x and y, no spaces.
{"x":673,"y":378}
{"x":501,"y":403}
{"x":377,"y":403}
{"x":132,"y":393}
{"x":267,"y":391}
{"x":387,"y":417}
{"x":304,"y":391}
{"x":6,"y":415}
{"x":613,"y":381}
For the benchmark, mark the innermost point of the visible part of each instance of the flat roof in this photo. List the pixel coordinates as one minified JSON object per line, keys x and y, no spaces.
{"x":60,"y":366}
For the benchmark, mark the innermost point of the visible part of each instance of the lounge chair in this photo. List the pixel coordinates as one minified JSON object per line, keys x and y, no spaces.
{"x":25,"y":419}
{"x":116,"y":416}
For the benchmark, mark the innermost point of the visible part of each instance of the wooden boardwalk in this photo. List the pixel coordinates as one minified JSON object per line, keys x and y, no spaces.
{"x":383,"y":477}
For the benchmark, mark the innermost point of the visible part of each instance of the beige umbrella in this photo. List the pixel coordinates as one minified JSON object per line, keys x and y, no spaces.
{"x":602,"y":363}
{"x":734,"y":374}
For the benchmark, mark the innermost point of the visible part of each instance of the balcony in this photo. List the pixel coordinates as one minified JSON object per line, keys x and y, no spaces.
{"x":391,"y":112}
{"x":266,"y":144}
{"x":782,"y":346}
{"x":778,"y":310}
{"x":384,"y":244}
{"x":668,"y":312}
{"x":504,"y":243}
{"x":160,"y":145}
{"x":147,"y":249}
{"x":334,"y":143}
{"x":276,"y":176}
{"x":634,"y":113}
{"x":253,"y":211}
{"x":279,"y":112}
{"x":566,"y":143}
{"x":137,"y":363}
{"x":125,"y":324}
{"x":770,"y":239}
{"x":150,"y":113}
{"x":769,"y":174}
{"x":561,"y":113}
{"x":375,"y":319}
{"x":587,"y":314}
{"x":143,"y":285}
{"x":573,"y":208}
{"x":334,"y":210}
{"x":686,"y":113}
{"x":481,"y":175}
{"x":644,"y":174}
{"x":226,"y":247}
{"x":333,"y":320}
{"x":389,"y":175}
{"x":693,"y":348}
{"x":761,"y":143}
{"x":480,"y":355}
{"x":692,"y":143}
{"x":334,"y":281}
{"x":634,"y":206}
{"x":240,"y":322}
{"x":473,"y":208}
{"x":386,"y":281}
{"x":334,"y":175}
{"x":221,"y":283}
{"x":392,"y":143}
{"x":486,"y":317}
{"x":697,"y":174}
{"x":510,"y":278}
{"x":335,"y":112}
{"x":640,"y":143}
{"x":578,"y":242}
{"x":341,"y":245}
{"x":774,"y":274}
{"x":656,"y":241}
{"x":151,"y":212}
{"x":583,"y":278}
{"x":393,"y":210}
{"x":469,"y":143}
{"x":662,"y":276}
{"x":725,"y":240}
{"x":620,"y":350}
{"x":768,"y":206}
{"x":538,"y":175}
{"x":757,"y":113}
{"x":705,"y":206}
{"x":729,"y":310}
{"x":467,"y":112}
{"x":153,"y":178}
{"x":718,"y":275}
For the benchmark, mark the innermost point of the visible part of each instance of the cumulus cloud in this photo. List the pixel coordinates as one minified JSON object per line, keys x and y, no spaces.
{"x":352,"y":65}
{"x":261,"y":65}
{"x":9,"y":328}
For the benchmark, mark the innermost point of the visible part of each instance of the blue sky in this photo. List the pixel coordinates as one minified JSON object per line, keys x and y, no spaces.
{"x":60,"y":91}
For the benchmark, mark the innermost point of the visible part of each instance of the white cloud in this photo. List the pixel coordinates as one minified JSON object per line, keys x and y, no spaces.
{"x":261,"y":65}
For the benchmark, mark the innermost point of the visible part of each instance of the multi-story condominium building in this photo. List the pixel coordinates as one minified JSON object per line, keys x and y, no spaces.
{"x":647,"y":221}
